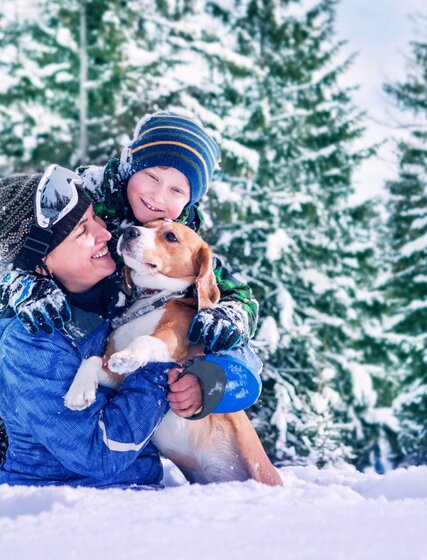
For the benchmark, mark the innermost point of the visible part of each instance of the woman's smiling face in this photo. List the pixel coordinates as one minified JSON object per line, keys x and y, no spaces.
{"x":83,"y":258}
{"x":158,"y":192}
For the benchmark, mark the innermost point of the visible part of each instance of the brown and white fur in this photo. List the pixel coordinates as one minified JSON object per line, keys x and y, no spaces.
{"x":219,"y":447}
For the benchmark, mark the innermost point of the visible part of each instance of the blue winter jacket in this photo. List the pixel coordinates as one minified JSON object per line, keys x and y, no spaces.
{"x":107,"y":444}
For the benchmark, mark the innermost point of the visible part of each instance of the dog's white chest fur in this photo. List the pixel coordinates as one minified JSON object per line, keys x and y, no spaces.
{"x":134,"y":348}
{"x":144,"y":325}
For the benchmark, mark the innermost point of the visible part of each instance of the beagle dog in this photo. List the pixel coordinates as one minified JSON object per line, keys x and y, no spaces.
{"x":166,"y":258}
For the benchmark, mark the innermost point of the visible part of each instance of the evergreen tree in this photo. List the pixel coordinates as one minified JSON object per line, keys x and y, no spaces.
{"x":288,"y":231}
{"x":373,"y":363}
{"x":407,"y":286}
{"x":84,"y":72}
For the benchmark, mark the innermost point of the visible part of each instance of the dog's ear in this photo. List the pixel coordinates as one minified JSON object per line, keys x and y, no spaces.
{"x":207,"y":290}
{"x":127,"y":281}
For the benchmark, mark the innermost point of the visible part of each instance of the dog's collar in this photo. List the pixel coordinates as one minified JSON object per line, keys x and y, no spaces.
{"x":152,"y":304}
{"x":141,"y":293}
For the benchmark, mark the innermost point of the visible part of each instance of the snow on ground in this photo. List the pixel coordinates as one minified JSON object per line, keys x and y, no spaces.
{"x":332,"y":514}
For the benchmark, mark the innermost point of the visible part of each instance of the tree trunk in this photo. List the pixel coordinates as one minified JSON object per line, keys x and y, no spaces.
{"x":83,"y":156}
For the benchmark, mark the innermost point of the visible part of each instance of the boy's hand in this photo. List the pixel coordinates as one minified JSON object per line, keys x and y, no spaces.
{"x":185,"y":394}
{"x":220,"y":328}
{"x":37,"y":302}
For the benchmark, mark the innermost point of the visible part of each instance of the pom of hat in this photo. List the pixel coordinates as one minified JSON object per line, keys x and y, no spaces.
{"x":167,"y":139}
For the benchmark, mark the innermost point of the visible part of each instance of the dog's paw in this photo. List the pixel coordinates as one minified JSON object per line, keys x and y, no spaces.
{"x":123,"y":362}
{"x":77,"y":399}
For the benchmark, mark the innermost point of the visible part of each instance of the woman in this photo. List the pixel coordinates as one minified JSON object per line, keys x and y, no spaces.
{"x":47,"y":224}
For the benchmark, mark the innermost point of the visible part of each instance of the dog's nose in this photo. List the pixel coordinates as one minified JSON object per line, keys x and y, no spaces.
{"x":130,"y":233}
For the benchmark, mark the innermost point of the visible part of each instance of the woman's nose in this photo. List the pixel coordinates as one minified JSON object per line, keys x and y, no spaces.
{"x":102,"y":234}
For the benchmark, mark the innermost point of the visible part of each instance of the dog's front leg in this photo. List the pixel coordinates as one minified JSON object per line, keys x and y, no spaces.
{"x":139,"y":352}
{"x":82,"y":392}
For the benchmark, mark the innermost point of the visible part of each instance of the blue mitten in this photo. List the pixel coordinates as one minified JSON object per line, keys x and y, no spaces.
{"x":220,"y":328}
{"x":37,"y":302}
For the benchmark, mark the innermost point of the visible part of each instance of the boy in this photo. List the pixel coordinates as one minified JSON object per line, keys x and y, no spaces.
{"x":162,"y":173}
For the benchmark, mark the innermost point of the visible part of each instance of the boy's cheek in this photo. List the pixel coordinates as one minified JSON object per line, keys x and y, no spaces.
{"x":175,"y":211}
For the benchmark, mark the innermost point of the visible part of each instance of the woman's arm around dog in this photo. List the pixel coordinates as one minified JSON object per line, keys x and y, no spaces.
{"x":97,"y":443}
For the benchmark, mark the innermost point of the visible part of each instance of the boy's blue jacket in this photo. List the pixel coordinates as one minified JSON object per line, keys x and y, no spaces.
{"x":106,"y":445}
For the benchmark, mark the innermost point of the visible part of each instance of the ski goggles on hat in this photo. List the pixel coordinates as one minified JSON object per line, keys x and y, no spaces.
{"x":56,"y":195}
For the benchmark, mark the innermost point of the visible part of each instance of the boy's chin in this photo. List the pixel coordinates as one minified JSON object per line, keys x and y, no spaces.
{"x":144,"y":218}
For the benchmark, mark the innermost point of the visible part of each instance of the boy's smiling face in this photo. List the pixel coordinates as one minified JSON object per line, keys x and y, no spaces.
{"x":158,"y":192}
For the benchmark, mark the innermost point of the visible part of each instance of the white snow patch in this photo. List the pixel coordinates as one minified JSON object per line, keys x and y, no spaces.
{"x":224,"y":192}
{"x":287,"y":306}
{"x":278,"y":242}
{"x":420,"y":223}
{"x":363,"y":391}
{"x":415,"y":246}
{"x":243,"y":154}
{"x":269,"y":334}
{"x":327,"y":374}
{"x":319,"y":281}
{"x":325,"y":514}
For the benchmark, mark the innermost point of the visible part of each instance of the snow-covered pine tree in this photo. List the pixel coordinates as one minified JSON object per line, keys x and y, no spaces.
{"x":11,"y":110}
{"x":288,"y":228}
{"x":199,"y":42}
{"x":407,"y":287}
{"x":373,"y":363}
{"x":83,"y":72}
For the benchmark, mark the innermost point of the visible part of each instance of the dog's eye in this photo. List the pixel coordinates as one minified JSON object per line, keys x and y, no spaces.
{"x":169,"y":236}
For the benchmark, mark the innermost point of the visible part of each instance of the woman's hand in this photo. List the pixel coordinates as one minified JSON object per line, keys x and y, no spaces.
{"x":185,"y":394}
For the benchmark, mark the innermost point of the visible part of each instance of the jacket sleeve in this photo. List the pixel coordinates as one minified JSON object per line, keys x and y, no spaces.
{"x":100,"y":441}
{"x":242,"y":367}
{"x":234,"y":290}
{"x":231,"y":381}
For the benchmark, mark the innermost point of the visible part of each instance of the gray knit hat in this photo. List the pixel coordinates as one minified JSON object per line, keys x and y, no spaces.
{"x":17,"y":216}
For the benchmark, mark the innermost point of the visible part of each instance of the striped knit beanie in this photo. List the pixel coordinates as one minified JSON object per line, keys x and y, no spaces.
{"x":167,"y":139}
{"x":17,"y":216}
